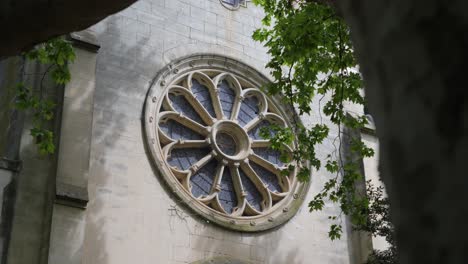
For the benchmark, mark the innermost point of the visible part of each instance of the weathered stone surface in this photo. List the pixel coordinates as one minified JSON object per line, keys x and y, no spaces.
{"x":34,"y":186}
{"x":221,"y":260}
{"x":131,"y":217}
{"x":10,"y":118}
{"x":77,"y":119}
{"x":67,"y":234}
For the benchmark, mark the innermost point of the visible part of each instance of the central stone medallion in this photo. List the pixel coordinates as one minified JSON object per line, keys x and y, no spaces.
{"x":230,"y":141}
{"x":226,"y":143}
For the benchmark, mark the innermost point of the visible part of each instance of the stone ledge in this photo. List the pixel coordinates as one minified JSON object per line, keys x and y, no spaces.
{"x":71,"y":195}
{"x":369,"y":128}
{"x":11,"y":165}
{"x":85,"y":40}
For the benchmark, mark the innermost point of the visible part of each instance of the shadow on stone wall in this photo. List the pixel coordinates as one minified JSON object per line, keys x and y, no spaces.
{"x":126,"y":64}
{"x":117,"y":140}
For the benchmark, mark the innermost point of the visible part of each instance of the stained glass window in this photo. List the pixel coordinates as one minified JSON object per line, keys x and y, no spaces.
{"x":204,"y":132}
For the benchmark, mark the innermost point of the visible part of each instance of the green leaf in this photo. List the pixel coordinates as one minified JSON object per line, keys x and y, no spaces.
{"x":56,"y":54}
{"x":316,"y":204}
{"x":303,"y":175}
{"x":311,"y":54}
{"x":335,"y":232}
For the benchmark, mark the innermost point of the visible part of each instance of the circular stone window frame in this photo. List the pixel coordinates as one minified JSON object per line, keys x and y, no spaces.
{"x":284,"y":210}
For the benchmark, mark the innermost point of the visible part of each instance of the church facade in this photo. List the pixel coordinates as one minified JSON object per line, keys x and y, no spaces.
{"x":159,"y":155}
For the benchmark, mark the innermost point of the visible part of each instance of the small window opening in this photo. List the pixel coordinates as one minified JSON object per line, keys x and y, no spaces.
{"x":234,"y":4}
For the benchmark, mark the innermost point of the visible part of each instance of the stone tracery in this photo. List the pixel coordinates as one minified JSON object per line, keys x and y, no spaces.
{"x":207,"y":129}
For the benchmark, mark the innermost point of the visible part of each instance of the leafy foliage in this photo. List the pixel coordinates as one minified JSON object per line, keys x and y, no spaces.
{"x":56,"y":54}
{"x":378,"y":223}
{"x":311,"y":54}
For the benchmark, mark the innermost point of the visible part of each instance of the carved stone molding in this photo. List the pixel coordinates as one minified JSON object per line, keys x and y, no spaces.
{"x":203,"y":118}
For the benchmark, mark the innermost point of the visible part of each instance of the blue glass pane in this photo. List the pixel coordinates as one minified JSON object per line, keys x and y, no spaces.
{"x":227,"y":97}
{"x":227,"y":196}
{"x":234,"y":3}
{"x":249,"y":109}
{"x":255,"y":132}
{"x":269,"y":154}
{"x":181,"y":105}
{"x":226,"y":143}
{"x":178,"y":131}
{"x":267,"y":177}
{"x":253,"y":195}
{"x":202,"y":181}
{"x":202,"y":94}
{"x":185,"y":158}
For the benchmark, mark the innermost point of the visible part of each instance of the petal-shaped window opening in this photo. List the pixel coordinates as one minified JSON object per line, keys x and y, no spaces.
{"x":255,"y":132}
{"x":267,"y":177}
{"x":182,"y":105}
{"x":202,"y":181}
{"x":202,"y":94}
{"x":184,"y":158}
{"x":227,"y":195}
{"x":227,"y":96}
{"x":269,"y":154}
{"x":254,"y":197}
{"x":176,"y":131}
{"x":249,"y":109}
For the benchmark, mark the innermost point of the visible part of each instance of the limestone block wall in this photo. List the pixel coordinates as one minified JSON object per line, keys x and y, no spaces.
{"x":71,"y":184}
{"x":131,"y":216}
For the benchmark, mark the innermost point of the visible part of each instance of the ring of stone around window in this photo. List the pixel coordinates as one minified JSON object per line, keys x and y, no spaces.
{"x":203,"y":117}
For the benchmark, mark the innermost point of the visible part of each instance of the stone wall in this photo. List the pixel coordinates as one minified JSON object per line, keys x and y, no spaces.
{"x":33,"y":184}
{"x":10,"y":118}
{"x":131,"y":217}
{"x":71,"y":186}
{"x":11,"y":123}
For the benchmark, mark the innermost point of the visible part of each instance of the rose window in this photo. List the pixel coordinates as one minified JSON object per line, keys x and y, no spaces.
{"x":204,"y":128}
